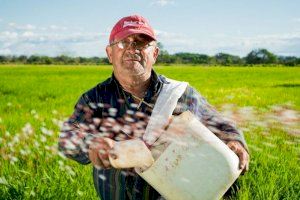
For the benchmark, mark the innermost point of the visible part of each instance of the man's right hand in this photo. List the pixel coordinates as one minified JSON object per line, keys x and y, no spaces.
{"x":99,"y":152}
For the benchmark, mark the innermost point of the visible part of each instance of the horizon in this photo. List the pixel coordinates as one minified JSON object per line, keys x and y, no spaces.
{"x":173,"y":54}
{"x":75,"y":28}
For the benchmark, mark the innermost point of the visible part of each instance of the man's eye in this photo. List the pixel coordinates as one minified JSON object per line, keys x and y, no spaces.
{"x":126,"y":43}
{"x":140,"y":43}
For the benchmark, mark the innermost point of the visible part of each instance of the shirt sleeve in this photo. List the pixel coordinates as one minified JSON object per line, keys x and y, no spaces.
{"x":73,"y":138}
{"x":223,"y":128}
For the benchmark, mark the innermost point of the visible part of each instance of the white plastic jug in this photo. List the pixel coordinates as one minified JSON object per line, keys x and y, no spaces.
{"x":131,"y":153}
{"x":194,"y":166}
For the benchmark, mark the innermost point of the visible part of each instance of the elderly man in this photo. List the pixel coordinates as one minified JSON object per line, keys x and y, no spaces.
{"x":120,"y":107}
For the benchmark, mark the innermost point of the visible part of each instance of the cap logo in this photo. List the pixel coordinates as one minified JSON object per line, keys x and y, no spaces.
{"x":132,"y":23}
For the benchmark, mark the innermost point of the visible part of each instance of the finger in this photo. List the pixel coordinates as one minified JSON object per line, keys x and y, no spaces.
{"x":232,"y":146}
{"x":112,"y":154}
{"x":243,"y":159}
{"x":100,"y":140}
{"x":94,"y":159}
{"x":109,"y":142}
{"x":104,"y":146}
{"x":102,"y":154}
{"x":100,"y":145}
{"x":99,"y":152}
{"x":99,"y":163}
{"x":241,"y":153}
{"x":102,"y":158}
{"x":246,"y":168}
{"x":96,"y":143}
{"x":106,"y":163}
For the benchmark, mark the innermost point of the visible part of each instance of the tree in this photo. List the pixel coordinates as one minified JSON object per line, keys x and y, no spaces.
{"x":22,"y":59}
{"x":192,"y":58}
{"x":160,"y":45}
{"x":46,"y":60}
{"x":288,"y":60}
{"x":104,"y":60}
{"x":261,"y":56}
{"x":258,"y":56}
{"x":164,"y":56}
{"x":227,"y":59}
{"x":33,"y":59}
{"x":3,"y":59}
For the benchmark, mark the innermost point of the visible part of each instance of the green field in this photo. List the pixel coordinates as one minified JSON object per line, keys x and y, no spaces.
{"x":34,"y":100}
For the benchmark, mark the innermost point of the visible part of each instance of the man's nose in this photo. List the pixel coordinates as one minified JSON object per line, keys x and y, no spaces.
{"x":132,"y":48}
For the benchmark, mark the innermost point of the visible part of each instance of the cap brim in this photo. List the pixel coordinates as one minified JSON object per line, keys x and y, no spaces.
{"x":121,"y":35}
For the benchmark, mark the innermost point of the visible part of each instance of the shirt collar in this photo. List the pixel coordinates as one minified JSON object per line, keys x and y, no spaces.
{"x":155,"y":84}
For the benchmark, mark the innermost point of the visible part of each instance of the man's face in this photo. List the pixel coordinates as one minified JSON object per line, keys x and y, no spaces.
{"x":128,"y":59}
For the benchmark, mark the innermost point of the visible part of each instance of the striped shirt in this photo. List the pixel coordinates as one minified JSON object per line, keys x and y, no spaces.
{"x":108,"y":102}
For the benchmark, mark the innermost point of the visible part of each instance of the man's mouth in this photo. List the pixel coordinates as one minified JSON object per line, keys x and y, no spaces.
{"x":132,"y":59}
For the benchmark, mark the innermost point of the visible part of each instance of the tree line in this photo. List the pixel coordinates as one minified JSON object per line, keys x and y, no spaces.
{"x":255,"y":57}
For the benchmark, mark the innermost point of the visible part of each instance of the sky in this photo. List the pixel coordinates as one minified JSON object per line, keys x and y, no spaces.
{"x":82,"y":27}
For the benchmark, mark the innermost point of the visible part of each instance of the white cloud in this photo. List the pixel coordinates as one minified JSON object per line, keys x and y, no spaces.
{"x":35,"y":37}
{"x":282,"y":44}
{"x":173,"y":38}
{"x":28,"y":34}
{"x":14,"y":26}
{"x":8,"y":35}
{"x":278,"y":43}
{"x":296,"y":19}
{"x":54,"y":27}
{"x":6,"y":45}
{"x":29,"y":39}
{"x":161,"y":2}
{"x":11,"y":24}
{"x":5,"y":51}
{"x":30,"y":27}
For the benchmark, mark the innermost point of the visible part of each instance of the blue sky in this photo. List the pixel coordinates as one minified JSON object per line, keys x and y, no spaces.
{"x":81,"y":28}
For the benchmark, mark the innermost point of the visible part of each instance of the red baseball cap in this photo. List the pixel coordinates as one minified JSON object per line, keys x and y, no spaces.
{"x":134,"y":24}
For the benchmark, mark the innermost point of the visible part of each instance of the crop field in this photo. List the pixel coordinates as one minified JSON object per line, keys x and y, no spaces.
{"x":35,"y":100}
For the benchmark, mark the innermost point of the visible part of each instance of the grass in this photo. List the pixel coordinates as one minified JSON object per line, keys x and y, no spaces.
{"x":34,"y":99}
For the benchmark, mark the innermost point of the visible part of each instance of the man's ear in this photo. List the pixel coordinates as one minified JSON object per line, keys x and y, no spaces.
{"x":109,"y":53}
{"x":155,"y":54}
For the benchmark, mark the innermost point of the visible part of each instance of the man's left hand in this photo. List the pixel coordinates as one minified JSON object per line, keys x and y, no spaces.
{"x":241,"y":152}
